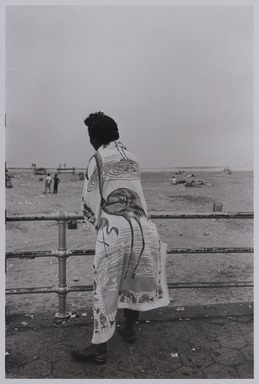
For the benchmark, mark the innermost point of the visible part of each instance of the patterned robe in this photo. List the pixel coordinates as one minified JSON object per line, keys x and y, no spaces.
{"x":129,"y":262}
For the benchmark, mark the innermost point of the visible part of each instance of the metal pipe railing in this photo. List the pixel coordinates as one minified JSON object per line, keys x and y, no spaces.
{"x":89,"y":288}
{"x":90,"y":252}
{"x":153,"y":215}
{"x":62,"y":253}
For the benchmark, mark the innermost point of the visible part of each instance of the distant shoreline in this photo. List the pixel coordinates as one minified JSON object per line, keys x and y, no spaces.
{"x":204,"y":168}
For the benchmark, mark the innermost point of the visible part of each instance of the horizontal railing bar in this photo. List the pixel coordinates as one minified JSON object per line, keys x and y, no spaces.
{"x":88,"y":288}
{"x":89,"y":252}
{"x":242,"y":284}
{"x":203,"y":215}
{"x":154,"y":215}
{"x":24,"y":291}
{"x":83,"y":252}
{"x":217,"y":284}
{"x":30,"y":254}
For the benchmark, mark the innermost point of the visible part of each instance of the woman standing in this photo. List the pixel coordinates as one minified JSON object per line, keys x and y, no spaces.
{"x":129,"y":263}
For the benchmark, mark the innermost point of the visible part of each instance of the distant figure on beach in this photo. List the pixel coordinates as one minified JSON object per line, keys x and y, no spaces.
{"x":55,"y":185}
{"x":8,"y":183}
{"x":173,"y":180}
{"x":48,"y":182}
{"x":129,"y":260}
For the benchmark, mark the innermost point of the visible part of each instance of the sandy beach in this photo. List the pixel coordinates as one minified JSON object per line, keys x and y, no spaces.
{"x":234,"y":191}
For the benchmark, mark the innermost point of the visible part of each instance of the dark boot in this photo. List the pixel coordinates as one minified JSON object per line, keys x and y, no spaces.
{"x":96,"y":353}
{"x":128,"y":330}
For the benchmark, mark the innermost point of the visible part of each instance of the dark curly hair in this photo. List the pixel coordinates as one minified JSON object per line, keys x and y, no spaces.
{"x":102,"y":127}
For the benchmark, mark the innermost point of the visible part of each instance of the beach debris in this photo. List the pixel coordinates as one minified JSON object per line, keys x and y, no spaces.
{"x":193,"y":349}
{"x":75,"y":279}
{"x":205,"y":234}
{"x":35,"y":357}
{"x":30,"y":316}
{"x":84,"y":314}
{"x":180,"y":309}
{"x":193,"y":184}
{"x":174,"y":354}
{"x":16,"y":329}
{"x":142,"y":370}
{"x":147,"y":321}
{"x":24,"y":323}
{"x":74,"y":315}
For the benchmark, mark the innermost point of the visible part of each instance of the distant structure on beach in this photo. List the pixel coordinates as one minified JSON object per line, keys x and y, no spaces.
{"x":228,"y":170}
{"x":40,"y":171}
{"x":66,"y":170}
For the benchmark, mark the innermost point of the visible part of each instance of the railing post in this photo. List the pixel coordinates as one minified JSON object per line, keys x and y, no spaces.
{"x":62,"y":288}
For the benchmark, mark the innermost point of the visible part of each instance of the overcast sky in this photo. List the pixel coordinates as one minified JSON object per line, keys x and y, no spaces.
{"x":178,"y":80}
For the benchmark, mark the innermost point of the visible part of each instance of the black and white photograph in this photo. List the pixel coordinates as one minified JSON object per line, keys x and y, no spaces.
{"x":152,"y":278}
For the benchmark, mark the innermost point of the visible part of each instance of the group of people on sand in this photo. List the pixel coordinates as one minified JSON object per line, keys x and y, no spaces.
{"x":48,"y":183}
{"x":192,"y":183}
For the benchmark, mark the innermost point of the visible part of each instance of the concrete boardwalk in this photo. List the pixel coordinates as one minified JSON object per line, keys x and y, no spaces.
{"x":208,"y":342}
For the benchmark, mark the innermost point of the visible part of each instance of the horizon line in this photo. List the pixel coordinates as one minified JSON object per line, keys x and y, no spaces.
{"x":152,"y":168}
